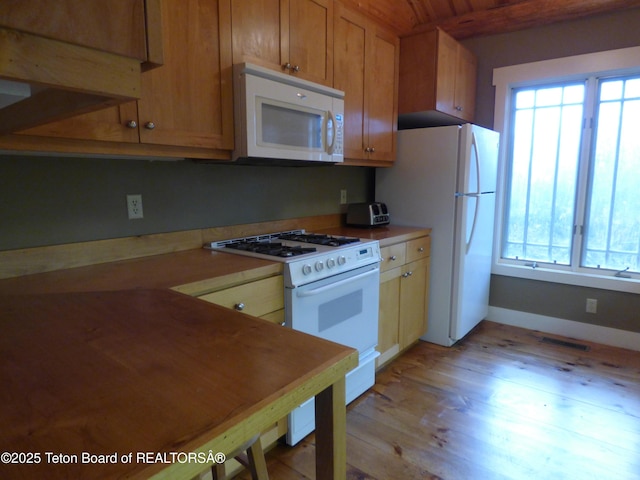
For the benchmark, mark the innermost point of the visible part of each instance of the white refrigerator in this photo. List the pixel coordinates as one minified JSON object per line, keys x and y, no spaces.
{"x":445,"y":178}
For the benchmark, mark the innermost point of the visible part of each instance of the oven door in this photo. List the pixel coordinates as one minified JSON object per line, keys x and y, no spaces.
{"x":342,"y":308}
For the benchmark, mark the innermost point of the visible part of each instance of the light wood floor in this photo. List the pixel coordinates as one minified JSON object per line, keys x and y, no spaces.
{"x":499,"y":405}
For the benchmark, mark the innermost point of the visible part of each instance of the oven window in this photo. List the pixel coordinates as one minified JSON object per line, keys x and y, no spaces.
{"x":337,"y":311}
{"x":291,"y":127}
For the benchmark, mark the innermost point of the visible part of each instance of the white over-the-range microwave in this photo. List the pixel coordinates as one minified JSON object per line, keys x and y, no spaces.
{"x":280,"y":118}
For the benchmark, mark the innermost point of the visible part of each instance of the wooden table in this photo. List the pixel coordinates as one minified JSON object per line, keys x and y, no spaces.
{"x":142,"y":378}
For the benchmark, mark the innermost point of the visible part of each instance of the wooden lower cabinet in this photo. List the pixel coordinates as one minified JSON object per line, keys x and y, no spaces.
{"x":404,"y":296}
{"x":262,"y":298}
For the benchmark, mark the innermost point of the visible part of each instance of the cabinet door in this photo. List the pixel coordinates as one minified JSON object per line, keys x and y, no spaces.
{"x":188,"y":102}
{"x":310,"y":40}
{"x":257,"y":34}
{"x":446,"y":74}
{"x":366,"y":61}
{"x":277,"y":33}
{"x":465,"y":93}
{"x":413,"y":301}
{"x":382,"y":95}
{"x":349,"y":76}
{"x":389,"y":315}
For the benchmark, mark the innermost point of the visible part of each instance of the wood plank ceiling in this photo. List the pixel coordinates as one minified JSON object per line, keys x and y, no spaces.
{"x":471,"y":18}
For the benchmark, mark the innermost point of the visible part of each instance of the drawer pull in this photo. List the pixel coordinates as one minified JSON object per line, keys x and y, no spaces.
{"x":239,"y":306}
{"x":421,"y":249}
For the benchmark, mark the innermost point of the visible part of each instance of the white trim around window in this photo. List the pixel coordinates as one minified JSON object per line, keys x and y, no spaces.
{"x":505,"y":79}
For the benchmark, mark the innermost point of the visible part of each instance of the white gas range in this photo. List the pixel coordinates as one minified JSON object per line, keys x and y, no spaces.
{"x":331,"y":291}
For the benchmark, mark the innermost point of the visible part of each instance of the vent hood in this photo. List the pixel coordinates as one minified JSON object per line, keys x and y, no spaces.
{"x":43,"y":79}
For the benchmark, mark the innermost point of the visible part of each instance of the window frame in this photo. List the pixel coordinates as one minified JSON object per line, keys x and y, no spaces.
{"x":576,"y":68}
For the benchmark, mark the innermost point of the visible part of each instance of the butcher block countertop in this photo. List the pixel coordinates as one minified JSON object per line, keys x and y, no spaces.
{"x":386,"y":235}
{"x":124,"y":384}
{"x":199,"y":271}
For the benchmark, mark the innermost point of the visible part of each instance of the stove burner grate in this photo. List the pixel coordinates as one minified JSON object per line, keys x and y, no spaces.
{"x":273,"y":249}
{"x":319,"y":239}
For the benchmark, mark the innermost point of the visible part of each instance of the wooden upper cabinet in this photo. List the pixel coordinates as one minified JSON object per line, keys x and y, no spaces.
{"x":382,"y":107}
{"x":291,"y":36}
{"x":466,"y":75}
{"x":437,"y":74}
{"x":75,"y":56}
{"x":366,"y":68}
{"x":188,"y":102}
{"x":111,"y":26}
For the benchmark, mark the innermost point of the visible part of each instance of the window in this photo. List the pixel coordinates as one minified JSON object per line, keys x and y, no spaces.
{"x":544,"y":155}
{"x":612,"y":238}
{"x":570,"y":164}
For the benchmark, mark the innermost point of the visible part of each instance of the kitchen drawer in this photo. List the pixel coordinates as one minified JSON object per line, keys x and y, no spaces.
{"x":393,"y":256}
{"x":418,"y":248}
{"x":255,"y":298}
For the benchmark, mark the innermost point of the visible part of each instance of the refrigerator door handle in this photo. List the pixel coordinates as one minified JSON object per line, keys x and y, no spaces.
{"x":474,"y":145}
{"x":473,"y":226}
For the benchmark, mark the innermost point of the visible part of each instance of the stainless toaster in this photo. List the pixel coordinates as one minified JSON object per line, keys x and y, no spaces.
{"x":367,"y":214}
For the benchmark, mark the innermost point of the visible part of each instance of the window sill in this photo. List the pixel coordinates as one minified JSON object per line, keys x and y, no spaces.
{"x":605,"y":282}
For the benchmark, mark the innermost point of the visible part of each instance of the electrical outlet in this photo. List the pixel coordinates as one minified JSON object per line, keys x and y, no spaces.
{"x":343,"y":196}
{"x":134,"y":206}
{"x":592,"y":305}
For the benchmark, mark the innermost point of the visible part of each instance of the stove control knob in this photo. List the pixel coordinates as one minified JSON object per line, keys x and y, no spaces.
{"x":306,"y":269}
{"x":342,"y":260}
{"x":331,"y":263}
{"x":319,"y":266}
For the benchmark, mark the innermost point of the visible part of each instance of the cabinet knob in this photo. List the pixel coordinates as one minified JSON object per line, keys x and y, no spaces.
{"x":149,"y":125}
{"x":239,"y":306}
{"x":393,"y":257}
{"x":421,"y":249}
{"x":459,"y":108}
{"x":288,"y":66}
{"x":132,"y":124}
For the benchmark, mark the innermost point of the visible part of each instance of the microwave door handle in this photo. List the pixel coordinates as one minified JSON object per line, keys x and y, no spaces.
{"x":319,"y":290}
{"x":330,"y":118}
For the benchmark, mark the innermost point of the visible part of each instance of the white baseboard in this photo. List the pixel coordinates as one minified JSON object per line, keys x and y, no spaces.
{"x":566,"y":328}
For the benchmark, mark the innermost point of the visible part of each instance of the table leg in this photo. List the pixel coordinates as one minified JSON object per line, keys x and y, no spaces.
{"x":331,"y":433}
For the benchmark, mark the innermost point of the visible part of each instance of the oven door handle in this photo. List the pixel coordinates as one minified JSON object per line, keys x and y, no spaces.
{"x":319,"y":290}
